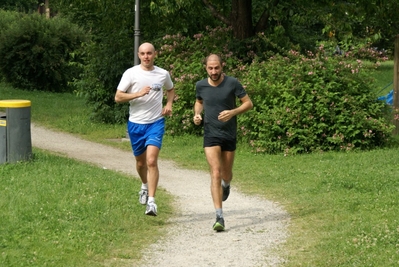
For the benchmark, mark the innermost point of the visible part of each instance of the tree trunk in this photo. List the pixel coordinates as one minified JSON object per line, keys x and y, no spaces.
{"x":47,"y":7}
{"x":241,"y":19}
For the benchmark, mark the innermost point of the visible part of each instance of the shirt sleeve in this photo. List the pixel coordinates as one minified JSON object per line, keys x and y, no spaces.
{"x":239,"y":90}
{"x":197,"y":91}
{"x":168,"y":82}
{"x":124,"y":83}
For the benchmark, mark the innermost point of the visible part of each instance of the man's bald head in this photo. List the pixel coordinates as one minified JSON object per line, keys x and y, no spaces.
{"x":213,"y":57}
{"x":147,"y":55}
{"x":146,"y":46}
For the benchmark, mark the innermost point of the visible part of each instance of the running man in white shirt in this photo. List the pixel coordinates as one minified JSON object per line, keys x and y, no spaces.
{"x":142,"y":86}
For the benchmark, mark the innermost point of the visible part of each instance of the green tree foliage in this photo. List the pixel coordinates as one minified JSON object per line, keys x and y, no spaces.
{"x":36,"y":53}
{"x":303,"y":22}
{"x":366,"y":21}
{"x":20,"y":5}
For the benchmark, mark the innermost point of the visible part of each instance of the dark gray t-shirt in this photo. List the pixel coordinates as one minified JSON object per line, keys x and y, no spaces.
{"x":215,"y":100}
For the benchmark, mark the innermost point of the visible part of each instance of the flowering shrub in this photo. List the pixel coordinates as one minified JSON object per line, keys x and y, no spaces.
{"x":312,"y":103}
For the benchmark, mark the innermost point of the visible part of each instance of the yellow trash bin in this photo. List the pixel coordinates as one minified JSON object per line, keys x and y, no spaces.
{"x":15,"y":131}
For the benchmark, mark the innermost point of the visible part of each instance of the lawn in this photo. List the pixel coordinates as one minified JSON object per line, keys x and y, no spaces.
{"x":74,"y":215}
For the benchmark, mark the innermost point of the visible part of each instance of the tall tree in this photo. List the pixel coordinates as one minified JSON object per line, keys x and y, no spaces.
{"x":240,"y":17}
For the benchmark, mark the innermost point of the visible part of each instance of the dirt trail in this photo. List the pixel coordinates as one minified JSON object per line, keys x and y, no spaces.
{"x":254,"y":227}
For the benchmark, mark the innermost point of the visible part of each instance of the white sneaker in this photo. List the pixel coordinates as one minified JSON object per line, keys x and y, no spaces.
{"x":143,"y":196}
{"x":151,"y":209}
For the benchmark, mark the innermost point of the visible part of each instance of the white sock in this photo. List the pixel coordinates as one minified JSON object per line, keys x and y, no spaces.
{"x":224,"y":184}
{"x":151,"y":199}
{"x":144,"y":186}
{"x":219,"y":213}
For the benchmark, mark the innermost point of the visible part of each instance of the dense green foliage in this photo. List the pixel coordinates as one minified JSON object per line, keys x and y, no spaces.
{"x":313,"y":103}
{"x":20,"y":5}
{"x":37,"y":53}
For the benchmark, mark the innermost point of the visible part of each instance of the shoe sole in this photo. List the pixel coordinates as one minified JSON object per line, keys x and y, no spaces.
{"x":218,"y":227}
{"x":151,"y":213}
{"x":225,"y":195}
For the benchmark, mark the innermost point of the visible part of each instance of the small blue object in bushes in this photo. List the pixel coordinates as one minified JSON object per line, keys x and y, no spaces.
{"x":387,"y":98}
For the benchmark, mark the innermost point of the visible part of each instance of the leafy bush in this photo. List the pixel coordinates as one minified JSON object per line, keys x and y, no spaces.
{"x":36,"y":53}
{"x":312,"y":103}
{"x":104,"y":66}
{"x":7,"y":18}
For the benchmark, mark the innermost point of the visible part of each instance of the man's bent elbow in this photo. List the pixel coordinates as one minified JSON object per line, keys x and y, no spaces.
{"x":118,"y":99}
{"x":251,"y":105}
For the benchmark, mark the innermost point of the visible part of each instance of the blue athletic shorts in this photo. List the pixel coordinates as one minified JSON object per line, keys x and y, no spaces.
{"x":142,"y":135}
{"x":225,"y":144}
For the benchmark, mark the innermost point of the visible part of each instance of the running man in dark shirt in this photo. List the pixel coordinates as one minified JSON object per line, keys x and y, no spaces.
{"x":216,"y":97}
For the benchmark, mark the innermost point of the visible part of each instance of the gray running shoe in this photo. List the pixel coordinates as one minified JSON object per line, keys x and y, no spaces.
{"x":226,"y":192}
{"x":218,"y":226}
{"x":143,"y":196}
{"x":151,"y":209}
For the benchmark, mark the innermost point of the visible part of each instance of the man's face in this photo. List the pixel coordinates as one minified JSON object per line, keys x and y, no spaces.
{"x":147,"y":56}
{"x":214,"y":70}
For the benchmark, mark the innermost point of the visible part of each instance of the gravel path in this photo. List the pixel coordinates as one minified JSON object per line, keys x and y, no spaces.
{"x":255,"y":227}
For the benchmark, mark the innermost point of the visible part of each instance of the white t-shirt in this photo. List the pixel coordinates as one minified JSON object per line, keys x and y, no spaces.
{"x":146,"y":109}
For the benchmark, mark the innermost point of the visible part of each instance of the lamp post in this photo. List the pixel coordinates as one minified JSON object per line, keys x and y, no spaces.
{"x":136,"y":38}
{"x":136,"y":31}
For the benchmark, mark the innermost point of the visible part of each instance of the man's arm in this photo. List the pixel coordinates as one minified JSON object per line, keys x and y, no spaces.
{"x":198,"y":108}
{"x":123,"y":97}
{"x":170,"y":96}
{"x":246,"y":104}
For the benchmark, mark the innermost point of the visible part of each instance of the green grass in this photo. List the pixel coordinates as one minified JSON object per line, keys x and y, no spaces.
{"x":68,"y":113}
{"x":343,"y":206}
{"x":384,"y":77}
{"x":74,"y":215}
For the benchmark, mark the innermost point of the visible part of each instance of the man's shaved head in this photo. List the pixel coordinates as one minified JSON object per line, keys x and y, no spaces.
{"x":213,"y":57}
{"x":147,"y":46}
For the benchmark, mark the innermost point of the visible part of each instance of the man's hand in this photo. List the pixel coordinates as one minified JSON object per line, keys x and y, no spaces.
{"x":197,"y":119}
{"x":226,"y":115}
{"x":145,"y":90}
{"x":167,"y":110}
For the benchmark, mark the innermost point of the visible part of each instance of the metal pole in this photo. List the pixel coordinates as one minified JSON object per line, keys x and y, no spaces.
{"x":136,"y":32}
{"x":136,"y":38}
